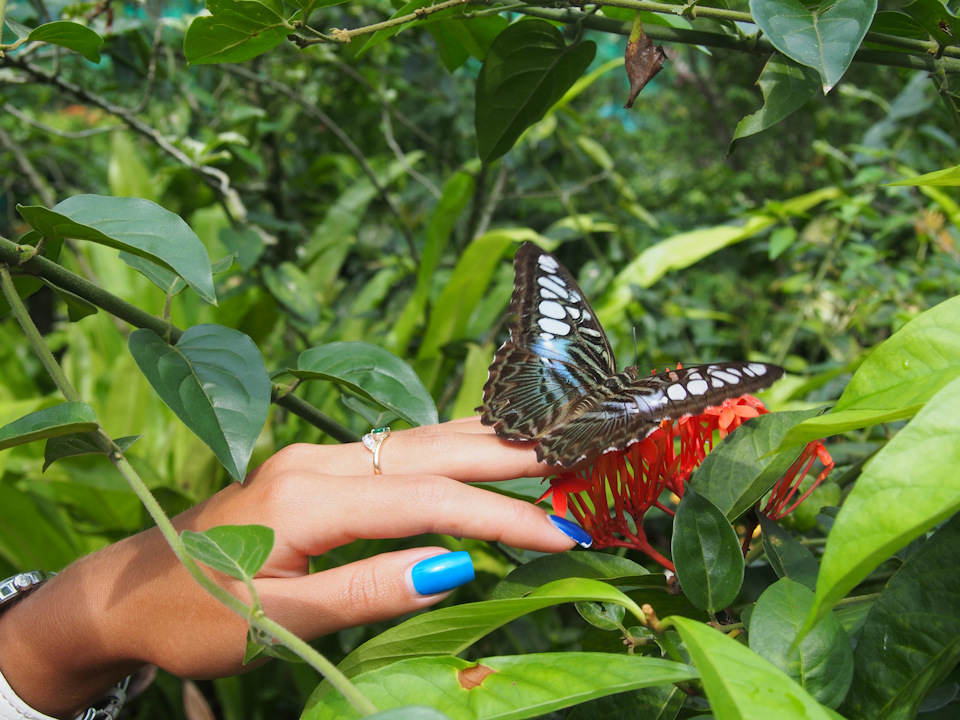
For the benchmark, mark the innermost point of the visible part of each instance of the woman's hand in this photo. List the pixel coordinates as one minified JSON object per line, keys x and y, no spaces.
{"x":133,"y":603}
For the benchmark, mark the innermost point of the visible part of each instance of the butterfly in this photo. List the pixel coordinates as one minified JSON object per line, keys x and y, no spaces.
{"x":555,"y":379}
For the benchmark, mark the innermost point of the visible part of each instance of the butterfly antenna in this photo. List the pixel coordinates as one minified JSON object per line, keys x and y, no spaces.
{"x":636,"y":359}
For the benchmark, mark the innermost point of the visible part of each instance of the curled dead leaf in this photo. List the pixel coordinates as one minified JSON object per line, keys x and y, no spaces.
{"x":643,"y":61}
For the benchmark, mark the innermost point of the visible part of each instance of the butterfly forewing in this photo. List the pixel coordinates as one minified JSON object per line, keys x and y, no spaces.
{"x":557,"y":351}
{"x":555,"y":379}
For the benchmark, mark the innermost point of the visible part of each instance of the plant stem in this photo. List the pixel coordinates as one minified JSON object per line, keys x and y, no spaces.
{"x":35,"y":338}
{"x":252,"y":614}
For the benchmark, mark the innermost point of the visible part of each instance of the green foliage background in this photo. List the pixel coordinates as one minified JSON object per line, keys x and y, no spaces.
{"x":374,"y":191}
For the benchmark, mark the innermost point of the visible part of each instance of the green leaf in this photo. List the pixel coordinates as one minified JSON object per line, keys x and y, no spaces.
{"x":409,"y":713}
{"x":594,"y":565}
{"x":788,"y":558}
{"x":740,"y":470}
{"x":70,"y":35}
{"x":740,"y":684}
{"x":85,"y":443}
{"x":937,"y":19}
{"x":236,"y":550}
{"x":949,"y":177}
{"x":77,"y":307}
{"x":139,"y":227}
{"x":215,"y":381}
{"x":170,"y":283}
{"x":911,"y":639}
{"x":824,"y":37}
{"x":291,"y":288}
{"x":822,"y":662}
{"x":372,"y":373}
{"x":906,"y":489}
{"x":604,"y":617}
{"x":27,"y":285}
{"x":898,"y":377}
{"x":451,"y":630}
{"x":786,"y":87}
{"x":62,"y":419}
{"x":521,"y":686}
{"x":24,"y":519}
{"x":706,"y":552}
{"x":236,"y":31}
{"x":528,"y":68}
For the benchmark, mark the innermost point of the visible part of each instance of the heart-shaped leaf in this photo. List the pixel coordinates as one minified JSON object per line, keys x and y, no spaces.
{"x":62,"y":419}
{"x":824,"y":37}
{"x":372,"y":373}
{"x":236,"y":550}
{"x":215,"y":381}
{"x":139,"y":227}
{"x":527,"y":69}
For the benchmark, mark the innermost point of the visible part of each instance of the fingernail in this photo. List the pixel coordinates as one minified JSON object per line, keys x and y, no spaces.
{"x":441,"y":573}
{"x":573,"y":531}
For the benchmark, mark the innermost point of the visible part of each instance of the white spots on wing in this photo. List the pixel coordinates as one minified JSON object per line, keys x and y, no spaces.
{"x":651,"y":401}
{"x":554,"y":327}
{"x":548,"y":263}
{"x":591,"y":332}
{"x":727,"y":376}
{"x":547,"y":295}
{"x":698,"y":386}
{"x":755,"y":369}
{"x":676,"y":392}
{"x":573,"y":311}
{"x":552,"y":310}
{"x":554,"y":284}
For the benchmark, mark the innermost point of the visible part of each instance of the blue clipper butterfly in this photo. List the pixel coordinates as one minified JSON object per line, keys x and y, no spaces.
{"x":555,"y":380}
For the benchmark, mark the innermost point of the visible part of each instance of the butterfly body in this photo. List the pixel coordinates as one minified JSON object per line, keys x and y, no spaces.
{"x":555,"y":380}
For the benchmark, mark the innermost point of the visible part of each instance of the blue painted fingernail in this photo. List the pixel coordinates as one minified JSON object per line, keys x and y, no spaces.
{"x":441,"y":573}
{"x":573,"y":531}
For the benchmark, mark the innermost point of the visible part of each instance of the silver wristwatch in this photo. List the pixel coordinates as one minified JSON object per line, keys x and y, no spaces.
{"x":17,"y":586}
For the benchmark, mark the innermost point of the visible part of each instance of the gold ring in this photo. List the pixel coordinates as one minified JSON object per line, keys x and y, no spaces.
{"x":373,"y":440}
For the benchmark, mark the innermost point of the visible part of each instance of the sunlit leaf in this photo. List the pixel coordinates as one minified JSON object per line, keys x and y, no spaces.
{"x":236,"y":550}
{"x":62,"y":419}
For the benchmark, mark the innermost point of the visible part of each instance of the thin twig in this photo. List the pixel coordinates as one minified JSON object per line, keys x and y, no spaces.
{"x":76,"y":135}
{"x":33,"y":177}
{"x":402,"y":158}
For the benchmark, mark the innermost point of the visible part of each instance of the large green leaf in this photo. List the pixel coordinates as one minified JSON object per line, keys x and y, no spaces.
{"x":31,"y":534}
{"x":139,"y":227}
{"x":235,"y":550}
{"x":527,"y":69}
{"x":786,"y":87}
{"x":656,"y":703}
{"x":822,"y":662}
{"x":70,"y":35}
{"x":906,"y":489}
{"x":741,"y":469}
{"x":706,"y":552}
{"x":911,"y":639}
{"x":898,"y":377}
{"x":236,"y":31}
{"x":215,"y":381}
{"x":949,"y":177}
{"x":513,"y":687}
{"x":788,"y":557}
{"x":62,"y":419}
{"x":740,"y":684}
{"x":450,"y":630}
{"x":372,"y":373}
{"x":823,"y":37}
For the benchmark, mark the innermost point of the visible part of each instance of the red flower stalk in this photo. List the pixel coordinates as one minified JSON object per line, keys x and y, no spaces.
{"x":610,"y":497}
{"x":787,"y":486}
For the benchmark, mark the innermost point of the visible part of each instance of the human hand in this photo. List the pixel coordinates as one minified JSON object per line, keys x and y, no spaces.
{"x":133,"y":603}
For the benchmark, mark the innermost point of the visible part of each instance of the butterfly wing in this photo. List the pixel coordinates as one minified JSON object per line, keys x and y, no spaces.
{"x":627,"y":413}
{"x":556,"y":355}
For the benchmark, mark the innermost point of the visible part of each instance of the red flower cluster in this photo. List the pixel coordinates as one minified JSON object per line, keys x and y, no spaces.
{"x":610,"y":497}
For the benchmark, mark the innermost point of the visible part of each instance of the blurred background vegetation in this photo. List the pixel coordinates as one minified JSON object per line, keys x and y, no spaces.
{"x":350,"y":174}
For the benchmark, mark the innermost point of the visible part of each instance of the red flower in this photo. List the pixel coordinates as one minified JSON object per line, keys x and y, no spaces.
{"x":787,"y":486}
{"x":610,"y":497}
